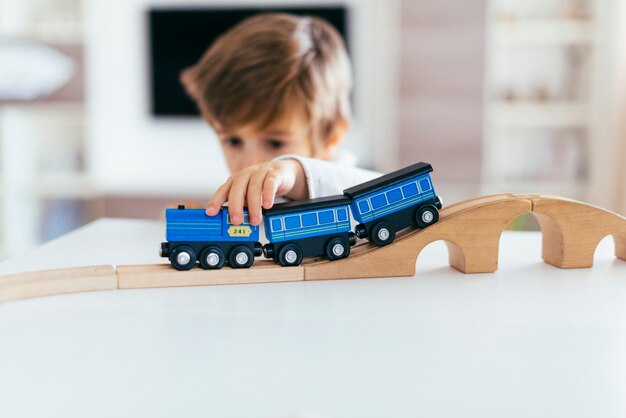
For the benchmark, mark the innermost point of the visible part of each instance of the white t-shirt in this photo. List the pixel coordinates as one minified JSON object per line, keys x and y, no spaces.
{"x":328,"y":178}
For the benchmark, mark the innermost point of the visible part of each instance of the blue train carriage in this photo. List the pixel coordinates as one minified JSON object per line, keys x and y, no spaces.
{"x":309,"y":228}
{"x":394,"y":201}
{"x":193,"y":236}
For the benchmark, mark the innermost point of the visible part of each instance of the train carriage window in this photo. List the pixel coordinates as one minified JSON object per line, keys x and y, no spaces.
{"x":364,"y":206}
{"x":326,"y":217}
{"x":309,"y":219}
{"x":276,"y":226}
{"x":378,"y":201}
{"x":409,"y":190}
{"x":394,"y":195}
{"x":342,"y":215}
{"x":292,"y":222}
{"x":425,"y":185}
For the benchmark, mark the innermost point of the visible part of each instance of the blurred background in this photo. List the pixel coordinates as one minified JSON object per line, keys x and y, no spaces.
{"x":499,"y":95}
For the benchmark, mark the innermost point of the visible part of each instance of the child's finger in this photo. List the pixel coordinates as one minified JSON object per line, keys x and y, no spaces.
{"x":237,"y":197}
{"x":270,"y":187}
{"x":218,"y":199}
{"x":255,"y":189}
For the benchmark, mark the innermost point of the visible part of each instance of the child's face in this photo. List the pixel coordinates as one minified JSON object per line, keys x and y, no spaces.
{"x":248,"y":145}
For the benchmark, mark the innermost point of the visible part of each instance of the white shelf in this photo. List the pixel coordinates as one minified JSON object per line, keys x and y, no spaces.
{"x":49,"y":108}
{"x":528,"y":114}
{"x":51,"y":21}
{"x":166,"y":190}
{"x":572,"y":189}
{"x":61,"y":33}
{"x":456,"y":191}
{"x":66,"y":186}
{"x":542,"y":32}
{"x":527,"y":55}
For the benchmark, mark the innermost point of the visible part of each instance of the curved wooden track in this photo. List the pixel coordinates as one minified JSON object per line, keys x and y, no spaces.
{"x":471,"y":230}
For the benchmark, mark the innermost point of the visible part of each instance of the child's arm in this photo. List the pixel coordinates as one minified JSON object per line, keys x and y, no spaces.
{"x":293,"y":177}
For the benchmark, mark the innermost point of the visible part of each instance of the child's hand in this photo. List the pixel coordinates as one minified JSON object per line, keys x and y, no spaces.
{"x":258,"y":185}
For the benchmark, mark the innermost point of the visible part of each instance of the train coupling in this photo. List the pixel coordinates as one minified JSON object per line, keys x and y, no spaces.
{"x":438,"y":202}
{"x":164,"y":251}
{"x":268,"y":251}
{"x":360,"y":231}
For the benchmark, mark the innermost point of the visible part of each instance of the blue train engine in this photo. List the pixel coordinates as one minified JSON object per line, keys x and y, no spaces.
{"x":310,"y":228}
{"x":394,"y":201}
{"x":193,"y":236}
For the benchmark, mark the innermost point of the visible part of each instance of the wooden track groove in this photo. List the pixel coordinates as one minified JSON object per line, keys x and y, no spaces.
{"x":56,"y":282}
{"x":471,"y":229}
{"x":163,"y":275}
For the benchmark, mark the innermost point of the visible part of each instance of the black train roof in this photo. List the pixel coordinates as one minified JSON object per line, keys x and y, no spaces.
{"x":303,"y":205}
{"x":388,"y":179}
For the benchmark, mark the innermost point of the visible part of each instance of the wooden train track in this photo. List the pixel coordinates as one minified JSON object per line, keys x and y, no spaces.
{"x":471,"y":230}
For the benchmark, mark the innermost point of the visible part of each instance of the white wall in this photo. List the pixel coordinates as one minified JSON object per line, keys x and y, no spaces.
{"x":130,"y":151}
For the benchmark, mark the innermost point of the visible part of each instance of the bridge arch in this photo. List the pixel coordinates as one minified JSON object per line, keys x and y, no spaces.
{"x":607,"y":240}
{"x":572,"y":230}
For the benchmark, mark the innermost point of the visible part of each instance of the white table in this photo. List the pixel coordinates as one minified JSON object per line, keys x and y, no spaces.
{"x":529,"y":340}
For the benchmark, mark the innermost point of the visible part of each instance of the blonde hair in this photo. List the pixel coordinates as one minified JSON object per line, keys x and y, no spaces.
{"x":267,"y":65}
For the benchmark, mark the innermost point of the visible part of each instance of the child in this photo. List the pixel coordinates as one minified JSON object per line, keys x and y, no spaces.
{"x":276,"y":90}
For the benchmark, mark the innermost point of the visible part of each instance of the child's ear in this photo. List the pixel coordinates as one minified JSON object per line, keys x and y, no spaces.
{"x":335,"y":139}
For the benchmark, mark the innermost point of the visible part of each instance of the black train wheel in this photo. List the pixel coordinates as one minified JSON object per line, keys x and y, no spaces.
{"x":212,"y":258}
{"x":382,"y":233}
{"x":183,"y":258}
{"x":241,"y":257}
{"x":290,"y":255}
{"x":337,"y":248}
{"x":426,"y":215}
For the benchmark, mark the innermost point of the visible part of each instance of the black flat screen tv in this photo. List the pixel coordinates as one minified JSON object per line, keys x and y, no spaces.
{"x":177,"y":38}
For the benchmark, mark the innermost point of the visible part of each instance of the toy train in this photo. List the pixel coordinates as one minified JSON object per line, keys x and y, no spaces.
{"x":310,"y":228}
